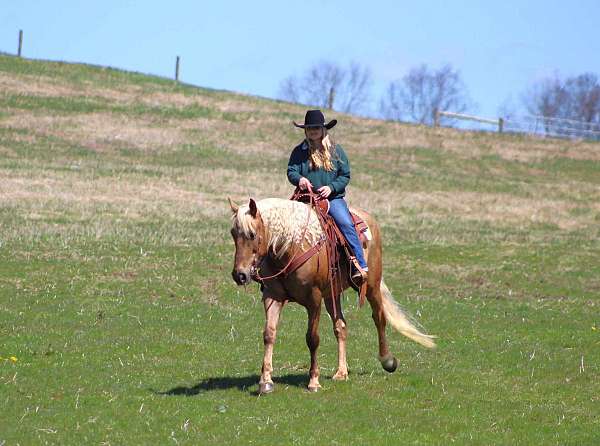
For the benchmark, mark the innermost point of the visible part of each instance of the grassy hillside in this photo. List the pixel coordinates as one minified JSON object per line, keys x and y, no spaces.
{"x":119,"y":323}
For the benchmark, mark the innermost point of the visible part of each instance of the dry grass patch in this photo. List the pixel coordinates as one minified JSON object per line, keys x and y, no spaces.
{"x":222,"y":183}
{"x":486,"y":207}
{"x":31,"y":85}
{"x":100,"y":131}
{"x":128,"y":94}
{"x":7,"y":152}
{"x":180,"y":100}
{"x":533,"y":149}
{"x":357,"y":134}
{"x":269,"y":137}
{"x":187,"y":194}
{"x":364,"y":134}
{"x":133,"y":196}
{"x":46,"y":86}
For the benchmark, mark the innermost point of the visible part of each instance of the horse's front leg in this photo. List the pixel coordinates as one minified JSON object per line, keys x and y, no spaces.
{"x":272,"y":311}
{"x":341,"y":333}
{"x":312,"y":340}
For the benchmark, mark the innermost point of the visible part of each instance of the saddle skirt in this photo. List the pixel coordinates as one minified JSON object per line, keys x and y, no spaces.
{"x":362,"y":229}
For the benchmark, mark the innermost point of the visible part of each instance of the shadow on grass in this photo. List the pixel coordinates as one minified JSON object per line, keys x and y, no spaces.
{"x":244,"y":383}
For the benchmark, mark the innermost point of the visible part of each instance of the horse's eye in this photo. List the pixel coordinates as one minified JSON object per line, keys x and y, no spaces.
{"x":252,"y":236}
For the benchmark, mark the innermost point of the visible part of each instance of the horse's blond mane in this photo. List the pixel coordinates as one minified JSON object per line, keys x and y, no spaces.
{"x":284,"y":221}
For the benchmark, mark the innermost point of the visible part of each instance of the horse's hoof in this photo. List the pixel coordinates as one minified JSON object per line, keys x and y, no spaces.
{"x":313,"y":389}
{"x":264,"y":388}
{"x":340,"y":377}
{"x":390,"y":364}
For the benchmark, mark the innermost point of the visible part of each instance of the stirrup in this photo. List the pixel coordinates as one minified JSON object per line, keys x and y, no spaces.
{"x":359,"y":275}
{"x":359,"y":278}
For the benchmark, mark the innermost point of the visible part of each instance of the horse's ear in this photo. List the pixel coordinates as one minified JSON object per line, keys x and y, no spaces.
{"x":234,"y":207}
{"x":253,"y":208}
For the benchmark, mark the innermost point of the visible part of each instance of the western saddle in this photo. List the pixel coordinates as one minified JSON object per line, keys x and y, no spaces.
{"x":335,"y":244}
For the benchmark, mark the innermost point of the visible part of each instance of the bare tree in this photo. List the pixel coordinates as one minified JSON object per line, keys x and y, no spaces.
{"x":422,"y":91}
{"x":583,"y":94}
{"x":354,"y":93}
{"x":321,"y":84}
{"x":574,"y":99}
{"x":328,"y":85}
{"x":391,"y":105}
{"x":289,"y":90}
{"x":547,"y":98}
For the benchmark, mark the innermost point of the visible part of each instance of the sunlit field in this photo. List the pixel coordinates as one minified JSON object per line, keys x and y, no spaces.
{"x":120,"y":324}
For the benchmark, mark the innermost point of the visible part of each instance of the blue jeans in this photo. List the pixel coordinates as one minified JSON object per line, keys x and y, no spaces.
{"x":338,"y":209}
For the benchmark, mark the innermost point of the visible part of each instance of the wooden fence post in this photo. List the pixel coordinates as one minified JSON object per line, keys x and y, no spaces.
{"x":177,"y":69}
{"x":500,"y":125}
{"x":20,"y":42}
{"x":436,"y":117}
{"x":331,"y":98}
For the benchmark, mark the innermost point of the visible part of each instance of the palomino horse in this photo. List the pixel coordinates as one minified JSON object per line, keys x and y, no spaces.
{"x":267,"y":234}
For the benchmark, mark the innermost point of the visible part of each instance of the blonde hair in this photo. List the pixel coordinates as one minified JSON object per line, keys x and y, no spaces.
{"x":322,"y":157}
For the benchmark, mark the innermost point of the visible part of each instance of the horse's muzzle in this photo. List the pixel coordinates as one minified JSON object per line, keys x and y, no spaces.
{"x":241,"y":277}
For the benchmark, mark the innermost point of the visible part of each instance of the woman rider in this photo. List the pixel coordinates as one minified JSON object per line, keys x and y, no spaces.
{"x":321,"y":166}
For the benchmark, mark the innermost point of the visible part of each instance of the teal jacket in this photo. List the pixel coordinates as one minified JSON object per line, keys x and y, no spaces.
{"x":337,"y":179}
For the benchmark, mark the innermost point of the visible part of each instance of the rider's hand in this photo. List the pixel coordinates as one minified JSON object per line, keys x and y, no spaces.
{"x":324,"y":191}
{"x":304,"y":184}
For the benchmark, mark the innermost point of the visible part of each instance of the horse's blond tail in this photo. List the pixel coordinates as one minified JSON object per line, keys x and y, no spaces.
{"x":399,"y":320}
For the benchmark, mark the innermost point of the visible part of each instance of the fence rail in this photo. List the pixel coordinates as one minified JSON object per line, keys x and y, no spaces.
{"x":533,"y":125}
{"x":468,"y":117}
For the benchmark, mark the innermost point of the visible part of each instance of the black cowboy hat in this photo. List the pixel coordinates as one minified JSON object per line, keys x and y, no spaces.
{"x":315,"y":118}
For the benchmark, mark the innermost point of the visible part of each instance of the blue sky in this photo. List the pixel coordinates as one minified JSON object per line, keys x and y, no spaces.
{"x":499,"y":48}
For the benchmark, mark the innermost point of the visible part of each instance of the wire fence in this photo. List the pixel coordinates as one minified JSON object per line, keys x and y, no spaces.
{"x":532,"y":125}
{"x":553,"y":127}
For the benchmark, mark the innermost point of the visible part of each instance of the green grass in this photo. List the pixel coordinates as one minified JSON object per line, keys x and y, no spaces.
{"x":125,"y":342}
{"x":117,"y":303}
{"x":489,"y":173}
{"x":81,"y":105}
{"x":81,"y":74}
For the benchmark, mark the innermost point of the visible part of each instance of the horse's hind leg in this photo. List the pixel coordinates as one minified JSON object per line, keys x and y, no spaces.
{"x":341,"y":333}
{"x":312,"y":341}
{"x":388,"y":361}
{"x":272,"y":312}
